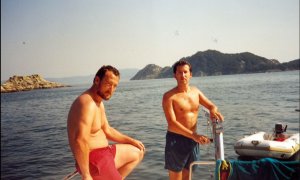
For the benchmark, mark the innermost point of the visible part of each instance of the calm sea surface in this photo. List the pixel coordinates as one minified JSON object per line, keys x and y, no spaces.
{"x":34,"y":142}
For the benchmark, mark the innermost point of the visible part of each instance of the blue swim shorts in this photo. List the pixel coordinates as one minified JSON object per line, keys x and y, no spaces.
{"x":180,"y":152}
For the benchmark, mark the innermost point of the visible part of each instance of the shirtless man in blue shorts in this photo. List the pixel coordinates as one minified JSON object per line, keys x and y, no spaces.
{"x":181,"y":106}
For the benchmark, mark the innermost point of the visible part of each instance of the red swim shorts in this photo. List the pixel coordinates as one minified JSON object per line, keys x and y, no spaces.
{"x":102,"y":164}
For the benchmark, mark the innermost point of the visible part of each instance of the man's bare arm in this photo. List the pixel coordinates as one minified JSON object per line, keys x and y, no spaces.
{"x":213,"y":109}
{"x":81,"y":124}
{"x":116,"y":136}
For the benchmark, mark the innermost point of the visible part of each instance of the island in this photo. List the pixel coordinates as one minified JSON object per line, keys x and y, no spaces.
{"x":214,"y":63}
{"x":26,"y":83}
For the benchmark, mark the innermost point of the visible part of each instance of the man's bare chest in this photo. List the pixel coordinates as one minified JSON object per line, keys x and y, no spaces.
{"x":186,"y":103}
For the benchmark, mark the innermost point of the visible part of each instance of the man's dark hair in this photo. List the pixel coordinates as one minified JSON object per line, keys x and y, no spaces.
{"x":101,"y":72}
{"x":181,"y":62}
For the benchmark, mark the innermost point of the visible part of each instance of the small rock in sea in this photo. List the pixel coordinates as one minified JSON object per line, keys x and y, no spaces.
{"x":26,"y":83}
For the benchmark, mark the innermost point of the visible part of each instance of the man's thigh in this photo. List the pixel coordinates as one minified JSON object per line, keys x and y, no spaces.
{"x":126,"y":153}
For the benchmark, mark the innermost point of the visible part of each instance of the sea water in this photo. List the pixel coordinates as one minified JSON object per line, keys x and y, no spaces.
{"x":34,"y":143}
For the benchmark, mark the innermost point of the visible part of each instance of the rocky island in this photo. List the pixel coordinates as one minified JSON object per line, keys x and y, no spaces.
{"x":213,"y":63}
{"x":26,"y":83}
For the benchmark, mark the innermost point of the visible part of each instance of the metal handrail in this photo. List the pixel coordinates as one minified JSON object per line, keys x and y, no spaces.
{"x":217,"y":131}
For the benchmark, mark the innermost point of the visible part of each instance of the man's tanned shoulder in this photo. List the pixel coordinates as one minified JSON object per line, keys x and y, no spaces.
{"x":167,"y":95}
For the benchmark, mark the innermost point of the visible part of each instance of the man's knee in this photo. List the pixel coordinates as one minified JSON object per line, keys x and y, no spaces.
{"x":139,"y":154}
{"x":134,"y":153}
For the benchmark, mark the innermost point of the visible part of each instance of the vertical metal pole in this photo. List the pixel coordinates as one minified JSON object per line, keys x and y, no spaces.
{"x":218,"y":139}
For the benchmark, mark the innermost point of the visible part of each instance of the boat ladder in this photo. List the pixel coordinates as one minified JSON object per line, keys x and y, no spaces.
{"x":217,"y":131}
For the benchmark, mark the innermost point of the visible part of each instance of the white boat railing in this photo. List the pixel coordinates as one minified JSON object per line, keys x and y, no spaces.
{"x":217,"y":131}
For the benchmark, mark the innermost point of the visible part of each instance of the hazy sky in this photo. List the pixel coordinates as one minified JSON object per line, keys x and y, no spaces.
{"x":62,"y":38}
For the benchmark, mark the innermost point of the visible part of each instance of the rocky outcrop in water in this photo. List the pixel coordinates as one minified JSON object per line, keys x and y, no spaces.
{"x":26,"y":83}
{"x":151,"y":71}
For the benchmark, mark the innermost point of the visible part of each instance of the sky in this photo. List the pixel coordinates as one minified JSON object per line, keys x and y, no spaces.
{"x":64,"y":38}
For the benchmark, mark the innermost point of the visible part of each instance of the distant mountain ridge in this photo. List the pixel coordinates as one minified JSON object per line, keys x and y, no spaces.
{"x":212,"y":62}
{"x":125,"y":74}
